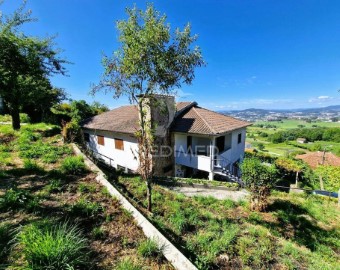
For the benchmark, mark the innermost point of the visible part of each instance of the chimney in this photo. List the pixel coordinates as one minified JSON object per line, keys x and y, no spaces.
{"x":161,"y":109}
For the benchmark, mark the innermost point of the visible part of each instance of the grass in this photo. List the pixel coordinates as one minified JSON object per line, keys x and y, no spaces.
{"x":35,"y":202}
{"x":73,"y":165}
{"x":208,"y":229}
{"x":86,"y":207}
{"x":127,"y":264}
{"x":60,"y":246}
{"x":149,"y":248}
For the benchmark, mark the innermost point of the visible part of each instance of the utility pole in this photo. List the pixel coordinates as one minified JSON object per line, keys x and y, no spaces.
{"x":322,"y":163}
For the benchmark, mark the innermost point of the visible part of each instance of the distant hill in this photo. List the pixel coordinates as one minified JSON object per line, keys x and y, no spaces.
{"x":330,"y":113}
{"x":333,"y":108}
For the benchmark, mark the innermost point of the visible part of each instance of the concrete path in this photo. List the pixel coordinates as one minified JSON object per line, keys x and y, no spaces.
{"x":218,"y":194}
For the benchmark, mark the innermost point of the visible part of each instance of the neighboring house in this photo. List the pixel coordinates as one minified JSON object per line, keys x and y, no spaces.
{"x":189,"y":139}
{"x":301,"y":140}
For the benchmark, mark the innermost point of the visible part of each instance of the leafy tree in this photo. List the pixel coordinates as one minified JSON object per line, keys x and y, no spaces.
{"x":291,"y":166}
{"x":259,"y":179}
{"x":151,"y":60}
{"x":26,"y":62}
{"x":330,"y":176}
{"x":71,"y":114}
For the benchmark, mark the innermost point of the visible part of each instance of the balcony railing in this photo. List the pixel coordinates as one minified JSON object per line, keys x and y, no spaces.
{"x":196,"y":161}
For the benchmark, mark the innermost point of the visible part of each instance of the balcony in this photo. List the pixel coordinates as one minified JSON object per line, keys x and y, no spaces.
{"x":193,"y":160}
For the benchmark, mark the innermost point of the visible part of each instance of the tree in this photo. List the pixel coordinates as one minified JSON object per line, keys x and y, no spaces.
{"x":25,"y":63}
{"x":151,"y":60}
{"x":71,"y":114}
{"x":259,"y":178}
{"x":330,"y":175}
{"x":290,"y":165}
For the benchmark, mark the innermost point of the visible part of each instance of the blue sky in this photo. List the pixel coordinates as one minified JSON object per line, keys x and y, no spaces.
{"x":262,"y":54}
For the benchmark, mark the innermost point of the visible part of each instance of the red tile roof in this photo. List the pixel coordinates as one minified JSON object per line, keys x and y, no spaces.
{"x":189,"y":119}
{"x":198,"y":120}
{"x":314,"y":159}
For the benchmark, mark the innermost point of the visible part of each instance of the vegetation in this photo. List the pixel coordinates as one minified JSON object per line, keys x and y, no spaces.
{"x":47,"y":246}
{"x":51,"y":219}
{"x":330,"y":175}
{"x":296,"y":231}
{"x":259,"y":178}
{"x":151,"y":60}
{"x":73,"y":165}
{"x":26,"y":62}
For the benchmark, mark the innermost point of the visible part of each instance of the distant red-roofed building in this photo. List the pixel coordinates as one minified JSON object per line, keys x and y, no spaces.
{"x":314,"y":159}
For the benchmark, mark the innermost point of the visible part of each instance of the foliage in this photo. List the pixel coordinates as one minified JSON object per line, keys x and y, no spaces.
{"x":296,"y":231}
{"x":259,"y":179}
{"x":26,"y":62}
{"x":149,"y":248}
{"x":311,"y":134}
{"x":16,"y":199}
{"x":84,"y":207}
{"x":151,"y":60}
{"x":127,"y":264}
{"x":331,"y":177}
{"x":73,"y":165}
{"x":60,"y":246}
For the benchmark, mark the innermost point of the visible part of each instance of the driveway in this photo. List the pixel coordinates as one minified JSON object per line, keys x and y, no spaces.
{"x":218,"y":194}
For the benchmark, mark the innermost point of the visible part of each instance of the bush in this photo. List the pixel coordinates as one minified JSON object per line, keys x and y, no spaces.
{"x":149,"y":248}
{"x":73,"y":165}
{"x":259,"y":179}
{"x":60,"y":246}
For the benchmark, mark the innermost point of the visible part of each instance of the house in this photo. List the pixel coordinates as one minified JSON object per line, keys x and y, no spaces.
{"x":301,"y":140}
{"x":189,"y":139}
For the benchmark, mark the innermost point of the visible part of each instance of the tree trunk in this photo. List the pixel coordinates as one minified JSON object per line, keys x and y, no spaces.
{"x":296,"y":179}
{"x":148,"y":185}
{"x":15,"y":118}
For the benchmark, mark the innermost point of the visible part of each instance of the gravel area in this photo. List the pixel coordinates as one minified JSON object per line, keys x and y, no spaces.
{"x":218,"y":194}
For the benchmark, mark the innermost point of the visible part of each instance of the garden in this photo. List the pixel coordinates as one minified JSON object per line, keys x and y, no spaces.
{"x":298,"y":231}
{"x":53,"y":215}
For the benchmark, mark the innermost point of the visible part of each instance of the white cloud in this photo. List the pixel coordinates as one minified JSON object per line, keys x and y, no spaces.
{"x":320,"y":99}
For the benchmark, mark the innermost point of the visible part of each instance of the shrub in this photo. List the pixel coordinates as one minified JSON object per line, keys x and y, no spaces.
{"x":60,"y":246}
{"x":149,"y":248}
{"x":73,"y":165}
{"x":259,"y":179}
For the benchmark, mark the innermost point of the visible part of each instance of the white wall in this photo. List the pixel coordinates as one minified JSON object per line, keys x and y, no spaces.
{"x":237,"y":149}
{"x":127,"y":158}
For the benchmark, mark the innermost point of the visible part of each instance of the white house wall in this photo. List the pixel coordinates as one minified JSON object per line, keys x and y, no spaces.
{"x":236,"y":152}
{"x":126,"y":158}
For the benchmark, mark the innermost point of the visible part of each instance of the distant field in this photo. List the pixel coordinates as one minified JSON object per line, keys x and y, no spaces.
{"x":281,"y":149}
{"x":285,"y":124}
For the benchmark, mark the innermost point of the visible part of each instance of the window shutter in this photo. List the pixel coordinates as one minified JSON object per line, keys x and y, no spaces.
{"x":100,"y":140}
{"x":119,"y":144}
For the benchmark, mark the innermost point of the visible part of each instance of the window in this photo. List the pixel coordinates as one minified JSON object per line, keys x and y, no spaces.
{"x":220,"y":144}
{"x":86,"y":137}
{"x":239,"y":138}
{"x":119,"y":144}
{"x":189,"y":144}
{"x":100,"y":140}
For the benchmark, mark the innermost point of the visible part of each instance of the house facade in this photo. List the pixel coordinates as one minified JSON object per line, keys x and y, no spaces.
{"x":189,"y":139}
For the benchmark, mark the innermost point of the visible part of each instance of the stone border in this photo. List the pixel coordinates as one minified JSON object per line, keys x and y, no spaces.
{"x":170,"y":252}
